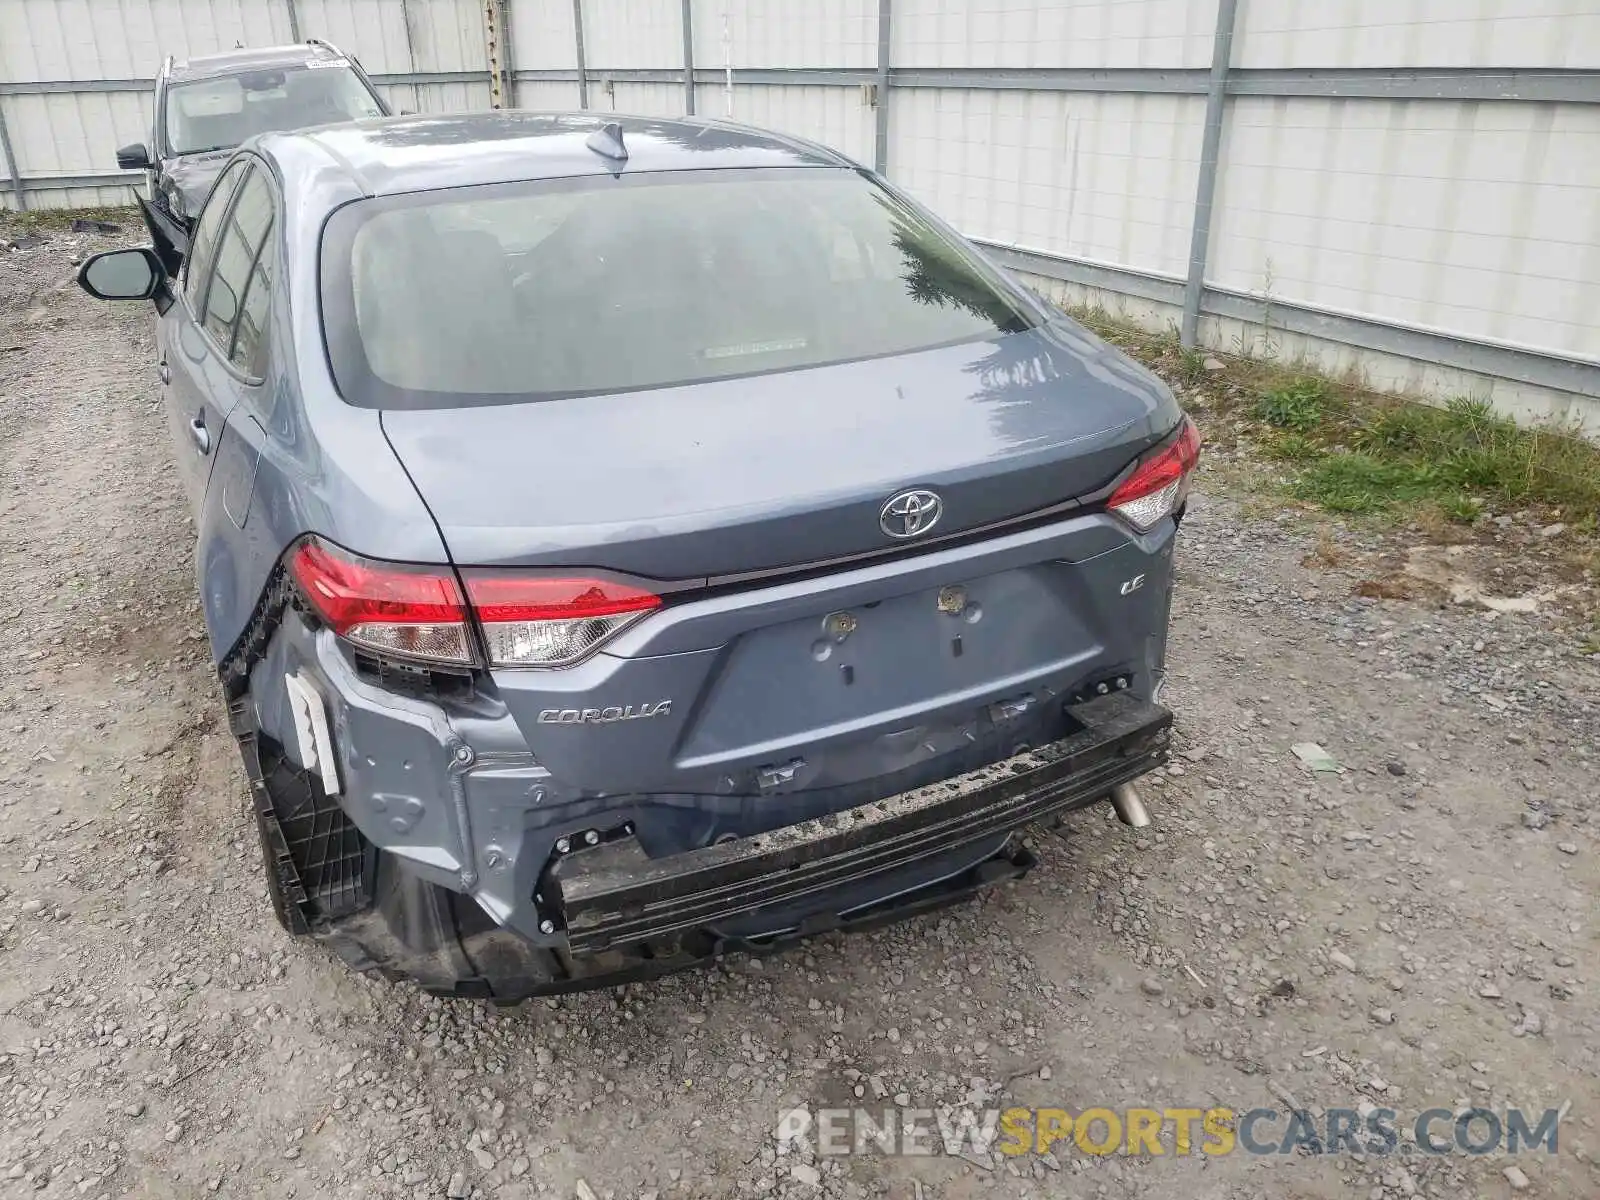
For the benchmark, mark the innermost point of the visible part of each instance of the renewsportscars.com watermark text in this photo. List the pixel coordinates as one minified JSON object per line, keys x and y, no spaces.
{"x":833,"y":1132}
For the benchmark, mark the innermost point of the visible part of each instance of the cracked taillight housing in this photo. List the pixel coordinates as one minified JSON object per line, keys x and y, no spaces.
{"x":1159,"y":485}
{"x":551,"y":621}
{"x":391,"y":608}
{"x":422,"y":612}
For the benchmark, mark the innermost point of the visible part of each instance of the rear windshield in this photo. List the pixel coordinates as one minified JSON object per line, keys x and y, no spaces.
{"x":597,"y":285}
{"x":219,"y":113}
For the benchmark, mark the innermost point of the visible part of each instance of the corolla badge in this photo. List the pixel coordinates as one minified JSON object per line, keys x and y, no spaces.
{"x":910,"y":513}
{"x":604,"y":716}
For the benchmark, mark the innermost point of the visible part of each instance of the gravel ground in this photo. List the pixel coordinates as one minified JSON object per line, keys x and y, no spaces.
{"x":1417,"y":930}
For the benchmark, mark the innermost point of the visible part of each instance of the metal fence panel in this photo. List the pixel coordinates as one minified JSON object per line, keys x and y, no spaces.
{"x":1104,"y":178}
{"x":835,"y":116}
{"x":542,"y":38}
{"x":1092,"y":34}
{"x":66,"y":134}
{"x":786,"y":33}
{"x":645,"y":99}
{"x":1419,"y":33}
{"x":547,"y":97}
{"x":1479,"y":218}
{"x":634,"y":33}
{"x":91,"y":39}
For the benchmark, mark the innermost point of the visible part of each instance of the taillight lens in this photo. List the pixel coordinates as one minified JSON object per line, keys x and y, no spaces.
{"x":550,"y":622}
{"x":417,"y":612}
{"x":1160,"y":484}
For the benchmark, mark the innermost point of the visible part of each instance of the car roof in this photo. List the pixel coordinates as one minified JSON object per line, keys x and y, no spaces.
{"x":260,"y":58}
{"x":391,"y":155}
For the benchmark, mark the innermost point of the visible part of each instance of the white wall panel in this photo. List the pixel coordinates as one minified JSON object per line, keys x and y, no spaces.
{"x":646,"y":99}
{"x":1103,"y":177}
{"x":397,"y":36}
{"x":547,"y":97}
{"x":1418,"y":33}
{"x":1063,"y":33}
{"x":81,"y":197}
{"x":64,"y":134}
{"x":633,"y":33}
{"x":787,"y":33}
{"x":834,"y":116}
{"x":542,"y":35}
{"x":126,"y":39}
{"x":1482,"y":219}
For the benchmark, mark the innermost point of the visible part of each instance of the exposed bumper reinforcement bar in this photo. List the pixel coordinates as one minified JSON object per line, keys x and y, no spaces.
{"x":613,"y":895}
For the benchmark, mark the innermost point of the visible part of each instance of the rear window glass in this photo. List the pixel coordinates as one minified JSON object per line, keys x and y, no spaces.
{"x":568,"y":287}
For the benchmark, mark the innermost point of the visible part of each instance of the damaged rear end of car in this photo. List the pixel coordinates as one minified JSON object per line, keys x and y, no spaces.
{"x":792,"y":561}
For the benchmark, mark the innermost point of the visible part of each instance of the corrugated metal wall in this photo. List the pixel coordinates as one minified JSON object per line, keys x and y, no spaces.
{"x":1411,"y":187}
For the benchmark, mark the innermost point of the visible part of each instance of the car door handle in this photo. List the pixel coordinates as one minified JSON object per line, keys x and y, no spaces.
{"x":199,"y":435}
{"x":165,"y":372}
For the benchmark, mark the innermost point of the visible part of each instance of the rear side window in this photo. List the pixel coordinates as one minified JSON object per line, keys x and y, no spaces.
{"x":228,"y":302}
{"x":204,"y":244}
{"x":594,"y":285}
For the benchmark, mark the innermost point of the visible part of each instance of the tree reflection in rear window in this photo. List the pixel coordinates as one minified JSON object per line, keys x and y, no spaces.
{"x":598,"y":285}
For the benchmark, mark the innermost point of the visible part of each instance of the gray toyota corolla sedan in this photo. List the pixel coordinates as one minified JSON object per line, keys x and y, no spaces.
{"x":624,"y":543}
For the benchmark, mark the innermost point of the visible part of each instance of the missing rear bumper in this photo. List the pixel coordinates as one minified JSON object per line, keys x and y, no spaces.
{"x":613,"y":896}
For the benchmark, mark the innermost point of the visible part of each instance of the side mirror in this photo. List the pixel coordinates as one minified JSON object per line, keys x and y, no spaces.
{"x":135,"y":274}
{"x":134,"y":158}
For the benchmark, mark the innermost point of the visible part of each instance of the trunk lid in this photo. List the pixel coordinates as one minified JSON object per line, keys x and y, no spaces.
{"x":771,"y":471}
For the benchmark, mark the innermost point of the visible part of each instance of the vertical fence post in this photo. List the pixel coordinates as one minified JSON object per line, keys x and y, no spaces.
{"x":407,"y":20}
{"x":10,"y":155}
{"x":508,"y":47}
{"x":294,"y":20}
{"x":880,"y":151}
{"x":688,"y":57}
{"x":491,"y":45}
{"x":583,"y":68}
{"x":1210,"y":153}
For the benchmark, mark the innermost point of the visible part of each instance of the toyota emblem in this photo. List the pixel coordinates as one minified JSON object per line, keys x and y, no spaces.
{"x":908,"y":514}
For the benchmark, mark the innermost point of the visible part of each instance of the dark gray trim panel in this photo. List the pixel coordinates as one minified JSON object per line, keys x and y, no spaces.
{"x":1580,"y":86}
{"x":423,"y":78}
{"x":1053,"y":79}
{"x":1536,"y":367}
{"x":48,"y":86}
{"x":39,"y":183}
{"x":1446,"y":350}
{"x":70,"y":86}
{"x":1162,"y":289}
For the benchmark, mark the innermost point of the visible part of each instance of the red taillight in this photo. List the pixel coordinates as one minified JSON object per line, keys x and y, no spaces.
{"x":1158,"y":486}
{"x":414,"y":611}
{"x":550,"y":622}
{"x":420,"y":612}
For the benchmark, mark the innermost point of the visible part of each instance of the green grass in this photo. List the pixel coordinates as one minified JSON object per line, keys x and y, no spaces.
{"x":1295,"y":447}
{"x":1355,"y":451}
{"x":1299,"y":406}
{"x":1354,"y":482}
{"x":1366,"y":454}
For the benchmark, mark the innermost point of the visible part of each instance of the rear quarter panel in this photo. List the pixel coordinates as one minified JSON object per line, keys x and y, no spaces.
{"x":322,"y":468}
